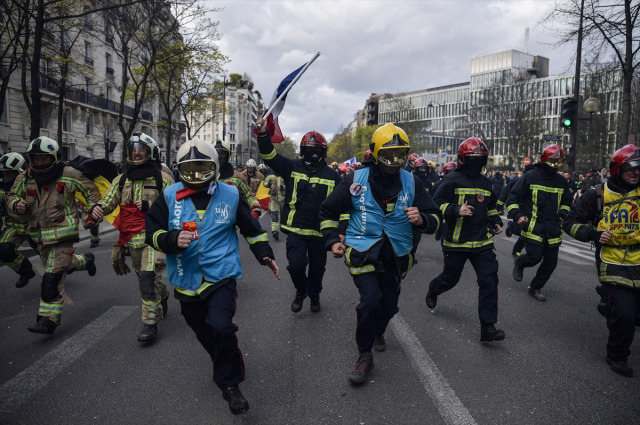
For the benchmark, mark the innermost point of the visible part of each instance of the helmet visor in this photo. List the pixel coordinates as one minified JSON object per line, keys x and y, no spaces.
{"x":554,"y":162}
{"x":395,"y":157}
{"x":41,"y":162}
{"x":138,"y":153}
{"x":223,"y":156}
{"x":628,"y":165}
{"x":197,"y":171}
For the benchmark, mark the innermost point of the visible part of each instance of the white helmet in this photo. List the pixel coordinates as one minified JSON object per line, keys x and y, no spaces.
{"x":251,"y":164}
{"x":223,"y":152}
{"x":12,"y":162}
{"x":198,"y":164}
{"x":262,"y":167}
{"x":43,"y":146}
{"x":142,"y":147}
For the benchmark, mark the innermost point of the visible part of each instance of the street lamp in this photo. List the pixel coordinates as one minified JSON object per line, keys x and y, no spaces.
{"x":591,"y":105}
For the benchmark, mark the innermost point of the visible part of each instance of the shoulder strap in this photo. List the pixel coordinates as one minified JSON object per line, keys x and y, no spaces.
{"x":158,"y":179}
{"x":600,"y":198}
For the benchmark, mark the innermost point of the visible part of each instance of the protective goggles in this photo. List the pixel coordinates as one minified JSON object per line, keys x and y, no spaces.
{"x":197,"y":171}
{"x":554,"y":162}
{"x":138,"y":152}
{"x":395,"y":157}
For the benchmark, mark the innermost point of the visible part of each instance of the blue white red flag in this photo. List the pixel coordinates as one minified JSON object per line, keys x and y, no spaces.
{"x":351,"y":161}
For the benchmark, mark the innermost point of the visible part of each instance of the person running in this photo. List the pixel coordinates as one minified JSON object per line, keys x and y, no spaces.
{"x":277,"y":192}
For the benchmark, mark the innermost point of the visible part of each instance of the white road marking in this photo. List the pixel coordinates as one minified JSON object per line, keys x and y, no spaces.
{"x":27,"y":383}
{"x":579,"y":249}
{"x":447,"y":402}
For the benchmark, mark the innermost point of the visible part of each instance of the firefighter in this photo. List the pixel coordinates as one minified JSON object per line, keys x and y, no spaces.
{"x":603,"y":215}
{"x":308,"y":181}
{"x":15,"y":231}
{"x":448,"y":168}
{"x":230,"y":176}
{"x":277,"y":192}
{"x":194,"y":223}
{"x":538,"y":202}
{"x":134,"y":192}
{"x":253,"y":176}
{"x":384,"y":205}
{"x":512,"y":228}
{"x":468,"y":205}
{"x":421,"y":170}
{"x":432,"y":176}
{"x":45,"y":197}
{"x":412,"y":158}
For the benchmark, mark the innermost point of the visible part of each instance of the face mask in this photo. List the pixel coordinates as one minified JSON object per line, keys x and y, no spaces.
{"x":475,"y":164}
{"x":312,"y":157}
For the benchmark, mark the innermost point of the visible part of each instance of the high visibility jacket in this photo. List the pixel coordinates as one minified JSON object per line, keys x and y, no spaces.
{"x":7,"y":216}
{"x":474,"y":233}
{"x":306,"y":189}
{"x":369,"y":223}
{"x":280,"y":191}
{"x":52,"y":208}
{"x":505,"y":193}
{"x":231,"y":176}
{"x":254,"y":181}
{"x":544,"y":198}
{"x":133,"y":191}
{"x":215,"y":255}
{"x":614,"y":208}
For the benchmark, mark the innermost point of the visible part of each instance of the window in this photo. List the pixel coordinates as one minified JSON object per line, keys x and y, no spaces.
{"x":205,"y":137}
{"x":109,"y":65}
{"x":87,"y":88}
{"x":233,"y":105}
{"x":109,"y":93}
{"x":232,"y":117}
{"x":232,"y":126}
{"x":110,"y":129}
{"x":88,"y":53}
{"x":3,"y":116}
{"x":232,"y":136}
{"x":217,"y":126}
{"x":66,"y":120}
{"x":90,"y":125}
{"x":232,"y":95}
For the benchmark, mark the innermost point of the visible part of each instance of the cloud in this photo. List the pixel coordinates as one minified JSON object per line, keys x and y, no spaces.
{"x":369,"y":47}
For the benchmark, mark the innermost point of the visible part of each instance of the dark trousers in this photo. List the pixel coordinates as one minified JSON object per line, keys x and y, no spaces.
{"x":536,"y":253}
{"x":518,"y":247}
{"x":302,"y":253}
{"x":486,"y":266}
{"x":212,"y":321}
{"x":379,"y":293}
{"x":95,"y":233}
{"x":624,"y":303}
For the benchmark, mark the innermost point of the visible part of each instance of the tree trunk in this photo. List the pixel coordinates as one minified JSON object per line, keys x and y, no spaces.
{"x":36,"y":105}
{"x":63,"y":94}
{"x":25,"y":49}
{"x":169,"y":134}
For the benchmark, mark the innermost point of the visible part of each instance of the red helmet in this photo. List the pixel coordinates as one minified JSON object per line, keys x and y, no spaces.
{"x":313,"y":138}
{"x":354,"y":166}
{"x":472,"y":147}
{"x":420,"y":162}
{"x":367,"y":154}
{"x":412,"y":158}
{"x":624,"y":158}
{"x":450,"y":167}
{"x":553,"y":156}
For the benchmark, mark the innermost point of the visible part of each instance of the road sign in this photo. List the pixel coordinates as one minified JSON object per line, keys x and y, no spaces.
{"x":443,"y":153}
{"x":527,"y":161}
{"x":552,"y":138}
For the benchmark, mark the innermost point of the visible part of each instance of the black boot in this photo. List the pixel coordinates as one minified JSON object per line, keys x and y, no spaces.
{"x":431,"y":300}
{"x":517,"y":271}
{"x":489,"y":333}
{"x":314,"y":303}
{"x":364,"y":365}
{"x":43,"y":325}
{"x":148,"y":333}
{"x":91,"y":266}
{"x":26,"y":273}
{"x":276,"y":235}
{"x":620,"y":367}
{"x":296,"y":305}
{"x":94,"y":244}
{"x":165,"y":307}
{"x":379,"y":343}
{"x":237,"y":403}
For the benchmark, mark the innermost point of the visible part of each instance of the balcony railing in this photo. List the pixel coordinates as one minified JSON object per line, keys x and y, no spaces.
{"x":82,"y":96}
{"x":110,"y":71}
{"x":88,"y":61}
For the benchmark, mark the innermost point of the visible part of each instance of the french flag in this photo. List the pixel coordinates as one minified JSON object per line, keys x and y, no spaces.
{"x":276,"y":106}
{"x":350,"y":162}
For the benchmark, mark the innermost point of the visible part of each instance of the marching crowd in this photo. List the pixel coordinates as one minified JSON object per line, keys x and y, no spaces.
{"x":185,"y":219}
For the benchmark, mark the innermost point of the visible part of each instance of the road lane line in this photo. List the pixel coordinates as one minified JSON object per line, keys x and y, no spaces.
{"x":27,"y":383}
{"x":447,"y":402}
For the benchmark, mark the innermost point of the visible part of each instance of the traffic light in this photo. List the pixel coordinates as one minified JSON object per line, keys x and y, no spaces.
{"x":569,"y":113}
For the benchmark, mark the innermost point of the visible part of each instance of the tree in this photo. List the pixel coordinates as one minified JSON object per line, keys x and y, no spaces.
{"x":610,"y":28}
{"x":341,"y":146}
{"x":13,"y":22}
{"x":286,"y":148}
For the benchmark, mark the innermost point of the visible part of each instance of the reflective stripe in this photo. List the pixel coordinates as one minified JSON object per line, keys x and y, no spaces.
{"x":345,"y":217}
{"x":500,"y":203}
{"x":50,"y":308}
{"x":555,"y":241}
{"x":472,"y":191}
{"x":82,"y":262}
{"x":574,"y":229}
{"x":547,"y":189}
{"x":151,"y":259}
{"x":390,"y":207}
{"x":362,"y":270}
{"x":260,"y":238}
{"x":155,"y":238}
{"x":438,"y":221}
{"x":458,"y":228}
{"x":269,"y":155}
{"x":444,"y":207}
{"x":192,"y":292}
{"x":512,"y":207}
{"x":470,"y":244}
{"x":531,"y":236}
{"x":492,"y":212}
{"x":328,"y":224}
{"x":306,"y":232}
{"x":564,"y":207}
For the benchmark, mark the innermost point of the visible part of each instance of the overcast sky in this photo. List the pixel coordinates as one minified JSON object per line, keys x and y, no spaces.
{"x":369,"y":47}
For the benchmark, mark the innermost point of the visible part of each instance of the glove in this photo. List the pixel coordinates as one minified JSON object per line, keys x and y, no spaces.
{"x":117,"y":261}
{"x":256,"y":214}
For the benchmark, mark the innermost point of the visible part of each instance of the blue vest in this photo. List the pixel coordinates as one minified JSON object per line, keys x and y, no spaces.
{"x":215,"y":255}
{"x":368,"y":222}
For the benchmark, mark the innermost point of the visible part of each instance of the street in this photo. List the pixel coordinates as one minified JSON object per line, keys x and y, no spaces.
{"x":549,"y":369}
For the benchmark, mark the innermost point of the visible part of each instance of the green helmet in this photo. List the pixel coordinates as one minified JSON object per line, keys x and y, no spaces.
{"x":43,"y":146}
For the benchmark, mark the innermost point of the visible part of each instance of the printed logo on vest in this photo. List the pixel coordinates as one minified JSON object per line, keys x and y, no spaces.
{"x":403,"y":201}
{"x":223,"y":213}
{"x":355,"y":189}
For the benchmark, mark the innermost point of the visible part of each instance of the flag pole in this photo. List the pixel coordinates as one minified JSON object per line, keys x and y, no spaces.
{"x":284,"y":93}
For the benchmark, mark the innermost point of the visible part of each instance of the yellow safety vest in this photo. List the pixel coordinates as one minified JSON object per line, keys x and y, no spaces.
{"x":621,"y":216}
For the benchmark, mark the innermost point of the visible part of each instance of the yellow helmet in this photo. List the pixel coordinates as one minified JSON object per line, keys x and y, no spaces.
{"x":390,"y":147}
{"x":431,"y":164}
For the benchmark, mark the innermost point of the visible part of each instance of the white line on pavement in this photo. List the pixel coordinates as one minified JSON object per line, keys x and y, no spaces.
{"x":28,"y":382}
{"x":449,"y":405}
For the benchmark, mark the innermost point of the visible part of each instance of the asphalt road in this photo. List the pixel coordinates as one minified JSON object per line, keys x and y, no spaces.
{"x":549,"y":369}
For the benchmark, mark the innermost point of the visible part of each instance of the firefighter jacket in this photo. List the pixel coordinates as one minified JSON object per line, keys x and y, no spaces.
{"x":52,"y":208}
{"x":612,"y":207}
{"x":383,"y":196}
{"x":505,"y":192}
{"x":145,"y":190}
{"x":280,"y":190}
{"x":544,"y":198}
{"x":306,"y":189}
{"x":434,"y":178}
{"x":254,"y":181}
{"x":167,"y":218}
{"x":474,"y":233}
{"x":7,"y":216}
{"x":230,"y":176}
{"x":426,"y":183}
